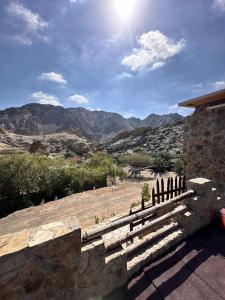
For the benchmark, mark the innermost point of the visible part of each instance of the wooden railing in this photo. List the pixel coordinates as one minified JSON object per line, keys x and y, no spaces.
{"x":98,"y":232}
{"x":174,"y":187}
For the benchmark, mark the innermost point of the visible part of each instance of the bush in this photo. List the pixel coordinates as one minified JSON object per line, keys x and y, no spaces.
{"x":162,"y":162}
{"x":145,"y":193}
{"x":136,"y":160}
{"x":27,"y":179}
{"x":179,"y":167}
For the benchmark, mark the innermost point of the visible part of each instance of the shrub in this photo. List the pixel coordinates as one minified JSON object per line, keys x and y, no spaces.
{"x":27,"y":179}
{"x":162,"y":162}
{"x":137,"y":160}
{"x":179,"y":166}
{"x":145,"y":193}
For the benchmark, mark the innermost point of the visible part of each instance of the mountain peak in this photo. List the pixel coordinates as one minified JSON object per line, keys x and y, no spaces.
{"x":39,"y":119}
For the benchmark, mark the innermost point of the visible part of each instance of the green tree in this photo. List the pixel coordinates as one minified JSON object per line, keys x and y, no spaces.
{"x":136,"y":160}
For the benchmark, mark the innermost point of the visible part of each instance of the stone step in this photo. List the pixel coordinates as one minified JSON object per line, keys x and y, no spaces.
{"x":152,"y":251}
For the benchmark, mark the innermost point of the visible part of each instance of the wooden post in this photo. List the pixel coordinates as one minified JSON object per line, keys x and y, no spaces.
{"x":142,"y":208}
{"x":168,"y":189}
{"x":180,"y":185}
{"x":184,"y":183}
{"x":171,"y":187}
{"x":153,"y":196}
{"x":176,"y":186}
{"x":131,"y":224}
{"x":162,"y":189}
{"x":158,"y":191}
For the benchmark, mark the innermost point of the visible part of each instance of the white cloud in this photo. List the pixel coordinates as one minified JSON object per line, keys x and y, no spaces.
{"x":180,"y":110}
{"x":219,"y":84}
{"x":219,"y":4}
{"x":154,"y":50}
{"x":124,"y":75}
{"x":78,"y":99}
{"x":197,"y":86}
{"x":42,"y":98}
{"x":52,"y":76}
{"x":31,"y":24}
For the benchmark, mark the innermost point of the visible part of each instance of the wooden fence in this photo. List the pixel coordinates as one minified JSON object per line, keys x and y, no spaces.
{"x":162,"y":192}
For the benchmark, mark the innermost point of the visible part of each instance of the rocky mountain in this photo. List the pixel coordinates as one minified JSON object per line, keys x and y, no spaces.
{"x":53,"y":143}
{"x":38,"y":119}
{"x":149,"y":140}
{"x":154,"y":120}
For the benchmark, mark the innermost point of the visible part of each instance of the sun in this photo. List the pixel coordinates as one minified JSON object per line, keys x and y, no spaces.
{"x":125,"y":8}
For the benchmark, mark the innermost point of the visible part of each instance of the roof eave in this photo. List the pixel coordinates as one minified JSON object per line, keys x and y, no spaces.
{"x":205,"y":99}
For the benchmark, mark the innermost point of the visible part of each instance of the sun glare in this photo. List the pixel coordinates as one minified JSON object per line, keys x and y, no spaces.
{"x":125,"y":8}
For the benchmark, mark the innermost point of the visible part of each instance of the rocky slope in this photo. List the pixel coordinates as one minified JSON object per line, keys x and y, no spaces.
{"x":54,"y":143}
{"x":149,"y":140}
{"x":37,"y":119}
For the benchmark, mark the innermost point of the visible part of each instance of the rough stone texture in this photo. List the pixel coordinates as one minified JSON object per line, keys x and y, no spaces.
{"x":204,"y":140}
{"x":98,"y":273}
{"x":149,"y":140}
{"x":49,"y":262}
{"x":41,"y":263}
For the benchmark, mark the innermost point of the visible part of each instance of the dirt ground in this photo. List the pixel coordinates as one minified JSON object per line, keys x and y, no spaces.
{"x":107,"y":202}
{"x":102,"y":203}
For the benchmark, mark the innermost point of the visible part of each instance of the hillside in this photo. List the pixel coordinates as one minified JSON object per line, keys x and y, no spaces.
{"x":38,"y":119}
{"x":149,"y":140}
{"x":54,"y":143}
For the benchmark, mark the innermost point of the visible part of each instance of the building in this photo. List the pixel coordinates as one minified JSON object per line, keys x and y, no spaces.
{"x":204,"y":138}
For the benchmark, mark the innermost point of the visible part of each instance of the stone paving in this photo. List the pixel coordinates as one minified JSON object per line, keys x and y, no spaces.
{"x":195,"y":269}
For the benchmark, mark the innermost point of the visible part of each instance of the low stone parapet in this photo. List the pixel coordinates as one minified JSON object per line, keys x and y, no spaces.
{"x":50,"y":261}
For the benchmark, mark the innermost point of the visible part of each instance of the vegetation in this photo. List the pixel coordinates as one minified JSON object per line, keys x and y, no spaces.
{"x":179,"y":166}
{"x":145,"y":193}
{"x":162,"y":162}
{"x":136,"y":160}
{"x":26,"y":179}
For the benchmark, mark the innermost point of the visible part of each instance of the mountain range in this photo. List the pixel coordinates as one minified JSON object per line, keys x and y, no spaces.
{"x":39,"y":119}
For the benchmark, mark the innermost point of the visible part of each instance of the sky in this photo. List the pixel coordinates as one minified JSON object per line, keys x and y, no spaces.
{"x":134,"y":57}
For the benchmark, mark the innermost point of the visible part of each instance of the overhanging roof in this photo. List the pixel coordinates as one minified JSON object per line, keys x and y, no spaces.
{"x":205,"y":99}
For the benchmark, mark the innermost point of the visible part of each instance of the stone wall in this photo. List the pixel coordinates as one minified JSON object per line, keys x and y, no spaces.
{"x":41,"y":263}
{"x":204,"y":144}
{"x":49,"y":262}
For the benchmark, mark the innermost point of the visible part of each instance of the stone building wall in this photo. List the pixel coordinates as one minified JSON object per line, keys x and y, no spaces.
{"x":204,"y":145}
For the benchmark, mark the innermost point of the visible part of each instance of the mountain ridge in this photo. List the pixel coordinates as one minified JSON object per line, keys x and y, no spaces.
{"x":39,"y":119}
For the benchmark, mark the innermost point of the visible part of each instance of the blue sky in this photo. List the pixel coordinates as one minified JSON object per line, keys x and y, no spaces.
{"x":134,"y":57}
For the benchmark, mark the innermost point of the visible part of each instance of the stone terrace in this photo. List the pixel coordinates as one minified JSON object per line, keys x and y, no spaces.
{"x":195,"y":269}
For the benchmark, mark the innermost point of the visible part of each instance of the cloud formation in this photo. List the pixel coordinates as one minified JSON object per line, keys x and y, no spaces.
{"x":30,"y":24}
{"x":124,"y":75}
{"x":78,"y":99}
{"x":219,"y":84}
{"x":42,"y":98}
{"x":219,"y":4}
{"x":154,"y":50}
{"x":52,"y":76}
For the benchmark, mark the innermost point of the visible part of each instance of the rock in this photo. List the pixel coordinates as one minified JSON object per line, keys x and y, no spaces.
{"x":152,"y":141}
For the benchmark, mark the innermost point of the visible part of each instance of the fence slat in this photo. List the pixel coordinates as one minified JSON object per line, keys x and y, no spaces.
{"x":153,"y":196}
{"x":184,"y":183}
{"x":131,"y":224}
{"x":158,"y":191}
{"x":142,"y":208}
{"x":162,"y":189}
{"x":180,"y":185}
{"x":171,"y":187}
{"x":176,"y":186}
{"x":168,"y":189}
